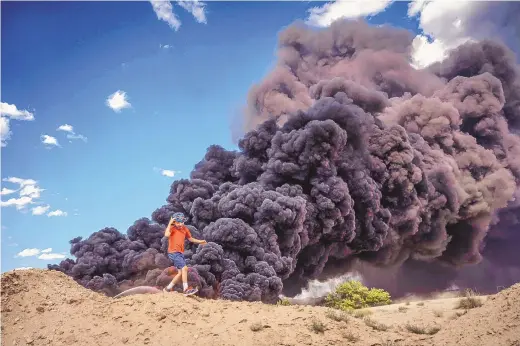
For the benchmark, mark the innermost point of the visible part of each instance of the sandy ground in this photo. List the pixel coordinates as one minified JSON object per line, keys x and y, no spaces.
{"x":41,"y":307}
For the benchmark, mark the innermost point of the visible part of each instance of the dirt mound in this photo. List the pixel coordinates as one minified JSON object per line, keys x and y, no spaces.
{"x":497,"y":319}
{"x":41,"y":307}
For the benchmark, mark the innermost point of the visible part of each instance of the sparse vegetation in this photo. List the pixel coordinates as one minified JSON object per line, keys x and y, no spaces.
{"x":283,"y":302}
{"x":458,"y":314}
{"x":407,"y":303}
{"x":470,"y":301}
{"x":338,"y":316}
{"x":437,"y":313}
{"x":349,"y":336}
{"x":318,"y":326}
{"x":422,"y":330}
{"x":354,"y":295}
{"x":376,"y":325}
{"x":361,"y":313}
{"x":402,"y":309}
{"x":255,"y":327}
{"x":420,"y":304}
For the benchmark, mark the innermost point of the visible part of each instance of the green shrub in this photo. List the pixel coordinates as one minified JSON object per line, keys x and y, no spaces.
{"x":284,"y":302}
{"x":354,"y":295}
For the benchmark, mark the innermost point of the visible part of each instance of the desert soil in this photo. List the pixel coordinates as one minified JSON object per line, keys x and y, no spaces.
{"x":41,"y":307}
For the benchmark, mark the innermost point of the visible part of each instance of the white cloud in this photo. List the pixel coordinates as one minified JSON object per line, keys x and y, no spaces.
{"x":165,"y":46}
{"x":28,"y":252}
{"x":50,"y":256}
{"x":6,"y":191}
{"x":5,"y":131}
{"x":14,"y":113}
{"x":447,"y":24}
{"x":19,"y":203}
{"x":20,"y":181}
{"x":49,"y":141}
{"x":45,"y":254}
{"x":57,"y":212}
{"x":23,"y":268}
{"x":328,"y":13}
{"x":32,"y":191}
{"x":40,"y":210}
{"x":196,"y":8}
{"x":11,"y":112}
{"x":29,"y":193}
{"x":166,"y":172}
{"x":118,"y":101}
{"x":66,"y":128}
{"x":164,"y":11}
{"x":70,"y":132}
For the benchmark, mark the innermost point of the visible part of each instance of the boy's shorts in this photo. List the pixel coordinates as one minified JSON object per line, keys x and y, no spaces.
{"x":178,"y":259}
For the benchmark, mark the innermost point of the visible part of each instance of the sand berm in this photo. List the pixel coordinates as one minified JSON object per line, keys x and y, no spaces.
{"x":42,"y":307}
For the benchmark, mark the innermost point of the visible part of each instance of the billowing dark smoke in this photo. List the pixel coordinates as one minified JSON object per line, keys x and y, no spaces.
{"x":352,"y":157}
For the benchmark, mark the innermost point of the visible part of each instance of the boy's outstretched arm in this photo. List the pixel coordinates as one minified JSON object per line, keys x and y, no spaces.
{"x":197,"y":241}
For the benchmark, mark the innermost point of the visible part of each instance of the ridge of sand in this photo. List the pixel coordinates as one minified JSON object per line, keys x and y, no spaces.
{"x":41,"y":307}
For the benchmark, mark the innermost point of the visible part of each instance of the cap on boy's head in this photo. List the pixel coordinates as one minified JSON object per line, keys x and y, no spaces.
{"x":179,"y":217}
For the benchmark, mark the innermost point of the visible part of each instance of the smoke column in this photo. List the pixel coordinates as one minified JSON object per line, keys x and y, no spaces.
{"x":352,"y":160}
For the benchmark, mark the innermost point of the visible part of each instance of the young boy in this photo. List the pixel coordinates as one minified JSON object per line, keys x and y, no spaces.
{"x":177,"y":232}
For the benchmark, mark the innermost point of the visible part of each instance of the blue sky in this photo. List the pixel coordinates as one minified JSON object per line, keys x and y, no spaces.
{"x":71,"y":164}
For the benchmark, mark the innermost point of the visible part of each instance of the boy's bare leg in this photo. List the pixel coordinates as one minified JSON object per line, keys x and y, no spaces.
{"x":184,"y":272}
{"x":174,"y":281}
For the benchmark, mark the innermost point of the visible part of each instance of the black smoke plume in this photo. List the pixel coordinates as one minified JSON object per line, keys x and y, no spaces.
{"x":352,"y":158}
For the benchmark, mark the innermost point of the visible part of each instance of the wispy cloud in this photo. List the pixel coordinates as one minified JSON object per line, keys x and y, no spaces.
{"x":165,"y":46}
{"x":28,"y":252}
{"x":29,"y":194}
{"x":45,"y":254}
{"x":196,"y":8}
{"x":5,"y":191}
{"x":118,"y":101}
{"x":11,"y":112}
{"x":51,"y":256}
{"x":69,"y":129}
{"x":164,"y":11}
{"x":50,"y":141}
{"x":57,"y":212}
{"x":28,"y":191}
{"x":326,"y":14}
{"x":40,"y":210}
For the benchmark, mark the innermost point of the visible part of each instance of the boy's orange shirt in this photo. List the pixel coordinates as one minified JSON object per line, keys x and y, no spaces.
{"x":177,"y":237}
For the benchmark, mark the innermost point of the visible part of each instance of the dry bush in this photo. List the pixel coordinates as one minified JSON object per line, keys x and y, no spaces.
{"x":422,"y":330}
{"x":469,"y":303}
{"x":438,"y":313}
{"x":402,"y":309}
{"x":361,"y":313}
{"x":420,"y":304}
{"x":458,"y":314}
{"x":349,"y":336}
{"x":376,"y":325}
{"x":318,"y":326}
{"x":337,"y":316}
